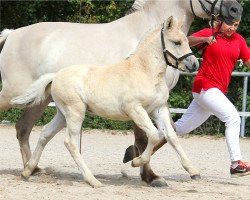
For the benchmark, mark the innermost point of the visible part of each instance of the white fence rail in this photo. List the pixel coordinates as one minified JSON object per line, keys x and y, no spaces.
{"x":243,"y":113}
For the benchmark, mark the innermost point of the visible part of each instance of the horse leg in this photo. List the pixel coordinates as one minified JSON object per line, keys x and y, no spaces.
{"x":162,"y":119}
{"x":48,"y":132}
{"x":141,"y":142}
{"x":24,"y":126}
{"x":74,"y":118}
{"x":146,"y":172}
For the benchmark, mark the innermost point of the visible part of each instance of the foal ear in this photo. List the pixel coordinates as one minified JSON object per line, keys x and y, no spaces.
{"x":170,"y":23}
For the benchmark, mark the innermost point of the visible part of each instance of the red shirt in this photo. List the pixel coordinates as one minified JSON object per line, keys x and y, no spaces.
{"x":219,"y":61}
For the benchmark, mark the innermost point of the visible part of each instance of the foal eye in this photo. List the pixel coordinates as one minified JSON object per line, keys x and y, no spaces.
{"x":177,"y":43}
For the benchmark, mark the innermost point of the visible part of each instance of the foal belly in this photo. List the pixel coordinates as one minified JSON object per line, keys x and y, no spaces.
{"x":108,"y":112}
{"x":108,"y":107}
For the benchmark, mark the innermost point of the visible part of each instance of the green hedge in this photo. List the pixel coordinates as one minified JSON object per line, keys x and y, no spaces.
{"x":88,"y":11}
{"x":180,"y":97}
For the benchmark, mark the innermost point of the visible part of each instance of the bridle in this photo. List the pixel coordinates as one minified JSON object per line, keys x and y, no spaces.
{"x":209,"y":13}
{"x":166,"y":52}
{"x":213,"y":18}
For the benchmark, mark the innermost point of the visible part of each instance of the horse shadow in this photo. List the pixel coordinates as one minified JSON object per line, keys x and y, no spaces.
{"x":52,"y":175}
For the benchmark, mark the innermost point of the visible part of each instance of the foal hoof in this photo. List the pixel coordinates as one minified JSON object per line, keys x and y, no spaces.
{"x":95,"y":184}
{"x":24,"y":178}
{"x":38,"y":171}
{"x":159,"y":182}
{"x":136,"y":162}
{"x":196,"y":177}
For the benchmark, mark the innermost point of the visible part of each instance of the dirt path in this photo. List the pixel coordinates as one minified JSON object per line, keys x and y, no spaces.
{"x":103,"y":153}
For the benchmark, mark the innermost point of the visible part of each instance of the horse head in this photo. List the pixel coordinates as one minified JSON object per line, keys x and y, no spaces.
{"x":227,"y":10}
{"x":176,"y":50}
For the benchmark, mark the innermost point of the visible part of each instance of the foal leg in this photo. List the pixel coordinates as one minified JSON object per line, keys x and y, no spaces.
{"x":74,"y":118}
{"x":48,"y":132}
{"x":141,"y":142}
{"x":141,"y":118}
{"x":146,"y":171}
{"x":139,"y":146}
{"x":24,"y":126}
{"x":162,"y":119}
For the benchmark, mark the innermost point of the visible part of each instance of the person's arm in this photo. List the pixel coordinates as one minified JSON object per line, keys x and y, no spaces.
{"x":197,"y":40}
{"x":248,"y":63}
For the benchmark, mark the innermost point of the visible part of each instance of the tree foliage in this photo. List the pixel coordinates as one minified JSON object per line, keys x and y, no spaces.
{"x":15,"y":14}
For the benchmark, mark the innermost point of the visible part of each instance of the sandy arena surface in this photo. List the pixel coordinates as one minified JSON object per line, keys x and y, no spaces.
{"x":103,"y":152}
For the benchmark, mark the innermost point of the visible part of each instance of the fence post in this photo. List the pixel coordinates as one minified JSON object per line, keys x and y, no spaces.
{"x":244,"y":103}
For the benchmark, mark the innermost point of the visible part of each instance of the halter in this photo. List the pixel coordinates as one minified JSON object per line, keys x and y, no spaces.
{"x":213,"y":18}
{"x":166,"y":52}
{"x":209,"y":13}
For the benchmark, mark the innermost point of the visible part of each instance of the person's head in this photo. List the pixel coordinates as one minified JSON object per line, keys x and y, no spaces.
{"x":229,"y":28}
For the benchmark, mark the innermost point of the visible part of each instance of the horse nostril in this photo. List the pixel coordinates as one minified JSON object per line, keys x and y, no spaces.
{"x":234,"y":11}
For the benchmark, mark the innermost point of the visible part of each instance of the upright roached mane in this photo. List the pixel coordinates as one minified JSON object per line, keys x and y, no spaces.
{"x":134,"y":89}
{"x":52,"y":46}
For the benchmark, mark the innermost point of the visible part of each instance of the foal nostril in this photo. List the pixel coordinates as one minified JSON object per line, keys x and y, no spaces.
{"x":194,"y":67}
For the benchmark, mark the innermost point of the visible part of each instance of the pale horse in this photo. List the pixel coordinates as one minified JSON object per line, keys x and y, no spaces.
{"x":134,"y":89}
{"x":29,"y":52}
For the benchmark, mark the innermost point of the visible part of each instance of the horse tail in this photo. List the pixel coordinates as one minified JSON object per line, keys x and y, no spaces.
{"x":3,"y":36}
{"x":36,"y":93}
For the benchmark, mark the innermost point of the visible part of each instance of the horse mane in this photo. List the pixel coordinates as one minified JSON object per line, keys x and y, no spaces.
{"x":137,"y":5}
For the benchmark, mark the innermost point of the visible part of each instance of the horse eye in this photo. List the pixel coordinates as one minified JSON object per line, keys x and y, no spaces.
{"x":177,"y":43}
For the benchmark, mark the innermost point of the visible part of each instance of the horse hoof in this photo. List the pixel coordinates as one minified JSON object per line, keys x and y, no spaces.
{"x":196,"y":177}
{"x":130,"y":153}
{"x":159,"y":182}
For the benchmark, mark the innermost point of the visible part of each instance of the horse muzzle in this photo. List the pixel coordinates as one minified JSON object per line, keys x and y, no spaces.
{"x":232,"y":12}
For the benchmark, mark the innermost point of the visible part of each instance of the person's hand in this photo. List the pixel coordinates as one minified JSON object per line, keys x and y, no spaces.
{"x":210,"y":40}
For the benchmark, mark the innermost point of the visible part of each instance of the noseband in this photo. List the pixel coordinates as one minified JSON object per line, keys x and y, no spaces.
{"x":166,"y":52}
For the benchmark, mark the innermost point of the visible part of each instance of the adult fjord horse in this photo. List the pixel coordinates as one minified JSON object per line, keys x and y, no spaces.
{"x":29,"y":52}
{"x":134,"y":89}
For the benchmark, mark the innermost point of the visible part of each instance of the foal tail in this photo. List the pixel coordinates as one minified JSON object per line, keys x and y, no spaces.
{"x":36,"y":93}
{"x":3,"y":36}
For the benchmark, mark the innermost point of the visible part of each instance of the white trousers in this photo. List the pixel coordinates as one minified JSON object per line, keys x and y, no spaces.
{"x":213,"y":101}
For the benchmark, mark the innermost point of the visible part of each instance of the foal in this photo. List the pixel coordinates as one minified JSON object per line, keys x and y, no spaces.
{"x":134,"y":89}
